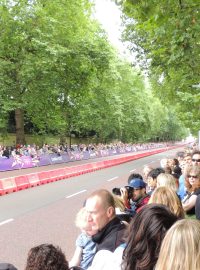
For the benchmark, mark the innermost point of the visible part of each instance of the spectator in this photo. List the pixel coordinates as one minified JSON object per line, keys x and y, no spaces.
{"x":180,"y":156}
{"x":167,"y":180}
{"x":146,"y":171}
{"x":121,"y":210}
{"x":196,"y":158}
{"x":152,"y":179}
{"x":100,"y":207}
{"x":6,"y":152}
{"x":145,"y":235}
{"x":182,"y":189}
{"x":46,"y":257}
{"x":167,"y":196}
{"x":164,"y":163}
{"x":85,"y":247}
{"x":197,"y":207}
{"x":192,"y":184}
{"x":134,"y":176}
{"x":181,"y":247}
{"x":188,"y":158}
{"x":175,"y":168}
{"x":139,"y":196}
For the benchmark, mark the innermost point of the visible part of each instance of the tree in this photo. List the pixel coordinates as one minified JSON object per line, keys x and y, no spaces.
{"x":165,"y":34}
{"x":46,"y":56}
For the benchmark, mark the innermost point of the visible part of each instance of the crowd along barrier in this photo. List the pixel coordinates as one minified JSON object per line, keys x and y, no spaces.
{"x":13,"y":184}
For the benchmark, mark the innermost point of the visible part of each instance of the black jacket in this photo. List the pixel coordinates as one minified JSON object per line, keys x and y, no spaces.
{"x":111,"y":236}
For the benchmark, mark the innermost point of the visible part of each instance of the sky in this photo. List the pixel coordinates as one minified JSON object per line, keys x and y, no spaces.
{"x":108,"y":14}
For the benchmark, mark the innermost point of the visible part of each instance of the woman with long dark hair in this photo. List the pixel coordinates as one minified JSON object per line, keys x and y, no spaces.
{"x":146,"y":233}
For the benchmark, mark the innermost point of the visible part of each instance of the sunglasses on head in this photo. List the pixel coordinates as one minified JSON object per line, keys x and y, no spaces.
{"x":195,"y":160}
{"x":192,"y":176}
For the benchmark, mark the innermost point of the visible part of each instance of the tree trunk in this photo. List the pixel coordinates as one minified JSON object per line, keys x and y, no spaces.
{"x":62,"y":139}
{"x":19,"y":124}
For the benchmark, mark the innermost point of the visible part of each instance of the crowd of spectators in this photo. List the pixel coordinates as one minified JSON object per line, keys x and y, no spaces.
{"x":151,"y":223}
{"x":35,"y":150}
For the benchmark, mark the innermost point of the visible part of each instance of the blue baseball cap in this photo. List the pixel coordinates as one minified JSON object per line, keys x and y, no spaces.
{"x":137,"y":183}
{"x":7,"y":266}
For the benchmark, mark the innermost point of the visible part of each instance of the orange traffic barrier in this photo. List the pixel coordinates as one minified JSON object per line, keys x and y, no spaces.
{"x":22,"y":182}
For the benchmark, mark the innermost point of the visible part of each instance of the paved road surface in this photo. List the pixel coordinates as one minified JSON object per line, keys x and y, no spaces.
{"x":46,"y":214}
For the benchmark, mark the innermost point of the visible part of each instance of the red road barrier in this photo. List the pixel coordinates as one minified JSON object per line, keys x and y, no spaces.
{"x":44,"y":177}
{"x":22,"y":182}
{"x":68,"y":172}
{"x":33,"y":179}
{"x":54,"y":175}
{"x":8,"y":185}
{"x":2,"y":192}
{"x":60,"y":173}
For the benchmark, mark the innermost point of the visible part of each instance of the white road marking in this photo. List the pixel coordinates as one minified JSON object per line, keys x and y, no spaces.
{"x":6,"y":221}
{"x":111,"y":179}
{"x":133,"y":170}
{"x":77,"y":193}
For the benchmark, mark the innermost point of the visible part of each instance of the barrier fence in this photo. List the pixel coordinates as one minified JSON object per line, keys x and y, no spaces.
{"x":17,"y":183}
{"x":23,"y":162}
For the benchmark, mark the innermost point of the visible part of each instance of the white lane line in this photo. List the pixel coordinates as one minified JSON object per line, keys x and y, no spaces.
{"x":6,"y":221}
{"x":133,"y":170}
{"x":77,"y":193}
{"x":111,"y":179}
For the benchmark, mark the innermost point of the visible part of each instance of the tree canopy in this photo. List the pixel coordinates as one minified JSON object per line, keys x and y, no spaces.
{"x":59,"y":72}
{"x":165,"y":36}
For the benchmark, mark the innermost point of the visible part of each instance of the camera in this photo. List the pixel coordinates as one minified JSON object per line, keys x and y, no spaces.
{"x":117,"y":191}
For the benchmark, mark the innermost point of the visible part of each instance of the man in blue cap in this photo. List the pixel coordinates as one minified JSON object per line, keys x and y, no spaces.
{"x":138,"y":198}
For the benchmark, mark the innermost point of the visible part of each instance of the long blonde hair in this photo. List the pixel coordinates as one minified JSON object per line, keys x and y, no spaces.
{"x":180,"y":248}
{"x":168,"y":197}
{"x":167,"y":180}
{"x":119,"y":203}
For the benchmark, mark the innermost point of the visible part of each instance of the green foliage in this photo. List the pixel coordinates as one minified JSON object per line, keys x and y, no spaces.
{"x":58,"y":67}
{"x":165,"y":34}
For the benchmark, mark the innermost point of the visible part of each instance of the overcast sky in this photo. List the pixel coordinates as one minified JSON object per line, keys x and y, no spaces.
{"x":108,"y":14}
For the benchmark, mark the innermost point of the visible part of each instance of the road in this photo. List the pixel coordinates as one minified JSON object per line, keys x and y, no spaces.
{"x":46,"y":214}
